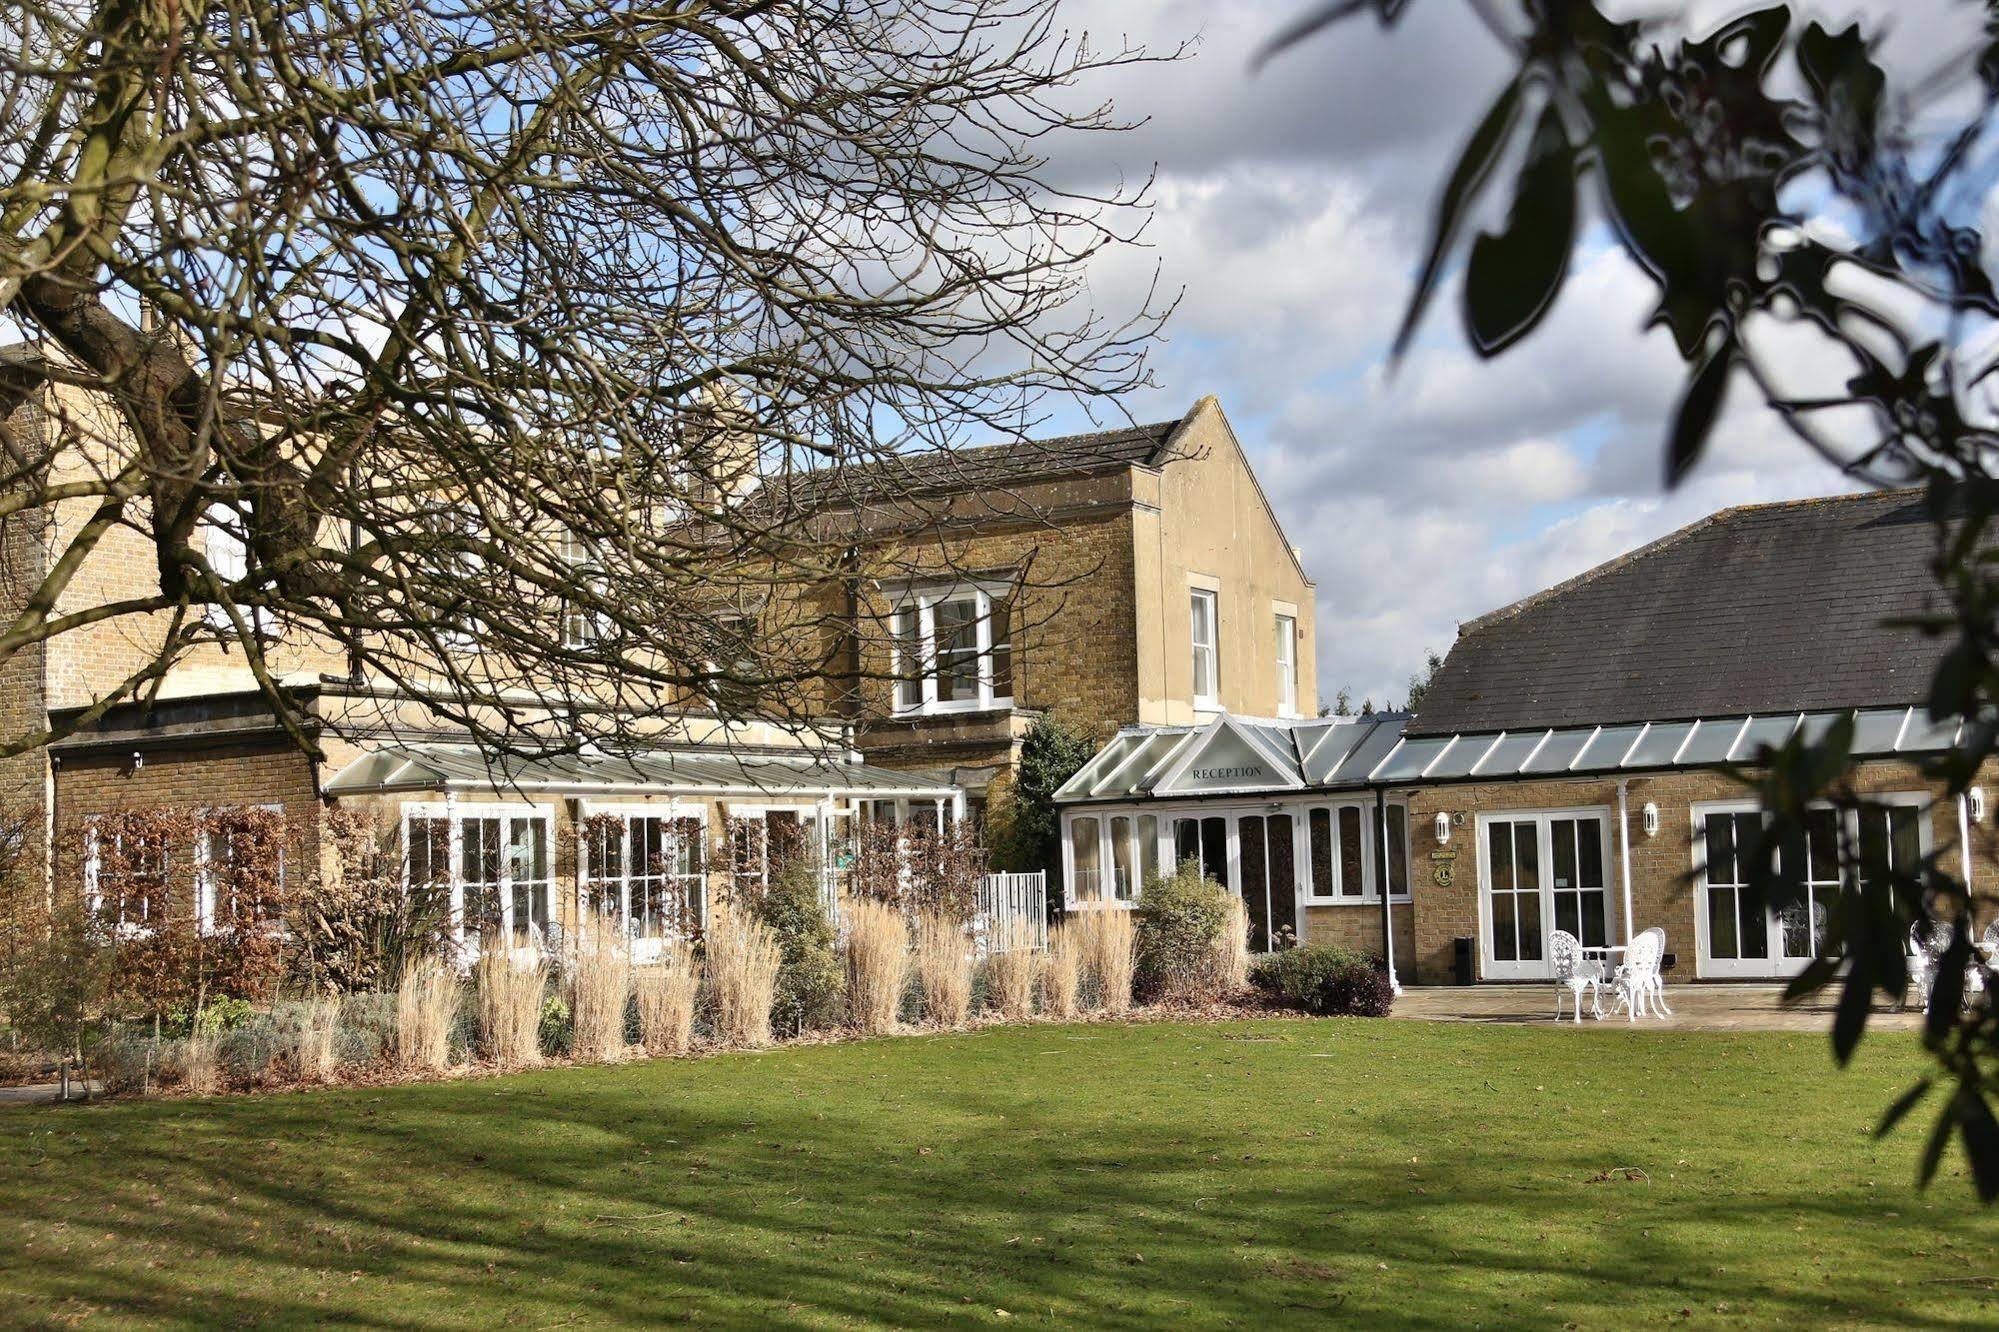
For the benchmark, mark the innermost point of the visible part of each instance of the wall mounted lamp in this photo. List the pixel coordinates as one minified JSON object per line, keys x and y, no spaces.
{"x":1443,"y":828}
{"x":1651,"y":819}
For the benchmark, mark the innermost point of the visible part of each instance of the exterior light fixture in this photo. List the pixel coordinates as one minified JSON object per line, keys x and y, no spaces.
{"x":1651,"y":819}
{"x":1443,"y":828}
{"x":1977,"y":804}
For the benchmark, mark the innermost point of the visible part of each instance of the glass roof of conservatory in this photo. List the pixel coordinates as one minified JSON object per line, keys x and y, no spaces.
{"x":1242,"y":755}
{"x":462,"y":767}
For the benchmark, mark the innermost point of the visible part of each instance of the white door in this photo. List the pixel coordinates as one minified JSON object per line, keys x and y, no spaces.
{"x":1540,"y":872}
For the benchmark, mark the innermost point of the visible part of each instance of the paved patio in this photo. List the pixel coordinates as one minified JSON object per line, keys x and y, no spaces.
{"x":1702,"y":1007}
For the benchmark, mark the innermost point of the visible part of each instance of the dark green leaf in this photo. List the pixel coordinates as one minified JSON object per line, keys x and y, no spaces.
{"x":1473,"y":169}
{"x":1947,"y":994}
{"x":1926,"y":1168}
{"x":1849,"y":1020}
{"x":1324,"y":16}
{"x":1514,"y":276}
{"x":1981,"y":1142}
{"x":1699,"y":409}
{"x":1902,"y":1106}
{"x":1818,"y":973}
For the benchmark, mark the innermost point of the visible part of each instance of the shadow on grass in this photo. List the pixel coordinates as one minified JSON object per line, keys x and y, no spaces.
{"x":1093,"y":1175}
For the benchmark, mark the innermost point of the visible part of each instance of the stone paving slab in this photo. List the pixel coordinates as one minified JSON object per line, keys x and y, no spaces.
{"x":1704,"y":1007}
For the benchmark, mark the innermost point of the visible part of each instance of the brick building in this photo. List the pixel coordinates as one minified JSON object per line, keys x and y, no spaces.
{"x":1578,"y":763}
{"x":983,"y":587}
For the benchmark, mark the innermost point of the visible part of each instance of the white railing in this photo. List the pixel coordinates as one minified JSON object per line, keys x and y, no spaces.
{"x":1013,"y":898}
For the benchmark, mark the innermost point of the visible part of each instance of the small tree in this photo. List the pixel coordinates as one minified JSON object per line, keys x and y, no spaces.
{"x":57,"y":984}
{"x":809,"y":989}
{"x":1026,"y":830}
{"x":1182,"y":918}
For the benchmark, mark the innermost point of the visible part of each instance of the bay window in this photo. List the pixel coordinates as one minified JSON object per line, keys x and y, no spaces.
{"x":644,"y":872}
{"x":483,"y":870}
{"x":952,"y":650}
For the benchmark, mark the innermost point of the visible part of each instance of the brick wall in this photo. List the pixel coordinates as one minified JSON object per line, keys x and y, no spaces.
{"x":1358,"y":926}
{"x":1662,"y":890}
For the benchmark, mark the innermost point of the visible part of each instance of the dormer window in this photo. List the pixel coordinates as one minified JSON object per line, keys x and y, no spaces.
{"x":952,"y":649}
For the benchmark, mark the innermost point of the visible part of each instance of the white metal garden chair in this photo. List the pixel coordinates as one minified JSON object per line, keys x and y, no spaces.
{"x":1637,"y":983}
{"x":1574,"y":972}
{"x":1927,"y":944}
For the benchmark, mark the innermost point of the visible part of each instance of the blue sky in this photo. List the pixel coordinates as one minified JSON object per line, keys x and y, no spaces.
{"x":1291,"y":208}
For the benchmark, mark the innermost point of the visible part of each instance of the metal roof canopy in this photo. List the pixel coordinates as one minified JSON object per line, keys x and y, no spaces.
{"x":1353,"y":753}
{"x":447,"y":767}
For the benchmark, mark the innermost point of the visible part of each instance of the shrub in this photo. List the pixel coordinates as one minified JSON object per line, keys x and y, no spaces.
{"x":808,"y":977}
{"x":877,"y":965}
{"x":1011,"y":968}
{"x":57,"y":983}
{"x":600,"y":987}
{"x":427,"y":1003}
{"x":743,"y":961}
{"x":1325,"y":979}
{"x":556,"y":1031}
{"x":511,"y":990}
{"x":944,"y":968}
{"x":1182,"y":920}
{"x":666,"y":994}
{"x":1062,"y":971}
{"x":1108,"y":937}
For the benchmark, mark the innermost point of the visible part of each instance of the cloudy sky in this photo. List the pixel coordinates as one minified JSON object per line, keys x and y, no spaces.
{"x":1291,"y":208}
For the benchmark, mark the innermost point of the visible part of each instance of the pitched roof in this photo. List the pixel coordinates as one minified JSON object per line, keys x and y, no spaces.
{"x":1772,"y":608}
{"x":987,"y":467}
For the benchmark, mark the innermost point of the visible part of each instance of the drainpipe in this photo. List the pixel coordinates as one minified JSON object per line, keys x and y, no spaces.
{"x":1624,"y":848}
{"x":1381,"y":881}
{"x":1964,"y":842}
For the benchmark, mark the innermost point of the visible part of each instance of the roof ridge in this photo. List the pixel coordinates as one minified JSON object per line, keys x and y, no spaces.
{"x":1670,"y":539}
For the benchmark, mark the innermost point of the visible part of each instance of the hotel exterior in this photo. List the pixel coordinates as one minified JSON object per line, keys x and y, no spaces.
{"x":1579,"y":764}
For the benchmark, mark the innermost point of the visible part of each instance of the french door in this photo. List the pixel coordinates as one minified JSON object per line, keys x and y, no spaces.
{"x":1540,"y":872}
{"x":1741,"y":933}
{"x":1267,"y":851}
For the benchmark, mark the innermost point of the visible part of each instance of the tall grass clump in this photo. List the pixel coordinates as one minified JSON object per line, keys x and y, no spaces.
{"x":511,"y":990}
{"x":315,"y":1052}
{"x":743,"y":963}
{"x":1109,"y":938}
{"x":198,"y":1064}
{"x":600,"y":989}
{"x":1062,"y":970}
{"x":1011,"y":969}
{"x":1232,"y":950}
{"x":877,"y":965}
{"x":427,"y":1002}
{"x":944,"y":968}
{"x":666,"y":992}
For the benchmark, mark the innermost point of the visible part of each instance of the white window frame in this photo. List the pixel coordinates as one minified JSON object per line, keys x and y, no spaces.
{"x":1286,"y":628}
{"x":455,"y":813}
{"x":1370,"y":873}
{"x":204,"y":880}
{"x":1774,"y":964}
{"x":581,"y":628}
{"x":694,"y":884}
{"x":922,"y":601}
{"x":93,"y":894}
{"x":1543,"y":819}
{"x":1208,"y":652}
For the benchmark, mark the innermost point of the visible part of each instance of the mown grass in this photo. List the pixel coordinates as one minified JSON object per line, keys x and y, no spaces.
{"x":1249,"y":1173}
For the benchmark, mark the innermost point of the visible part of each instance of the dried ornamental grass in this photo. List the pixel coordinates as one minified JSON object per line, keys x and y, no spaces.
{"x":1108,"y":939}
{"x":1062,"y":971}
{"x":600,"y":988}
{"x":427,"y":1004}
{"x":198,"y":1065}
{"x":944,"y":968}
{"x":667,"y":992}
{"x":743,"y":962}
{"x":877,"y":965}
{"x":1011,"y":969}
{"x":315,"y":1054}
{"x":1232,"y":951}
{"x":512,"y":988}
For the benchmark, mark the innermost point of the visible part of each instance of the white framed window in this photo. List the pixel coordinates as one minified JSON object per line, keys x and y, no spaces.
{"x":581,"y":627}
{"x":485,"y":868}
{"x":1287,"y":665}
{"x":215,"y":880}
{"x":1343,"y":853}
{"x":951,"y":649}
{"x":227,"y":554}
{"x":130,"y":897}
{"x":1204,"y":638}
{"x":645,"y":871}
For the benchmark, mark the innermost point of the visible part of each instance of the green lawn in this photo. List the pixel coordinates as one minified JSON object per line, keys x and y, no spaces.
{"x":1397,"y":1173}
